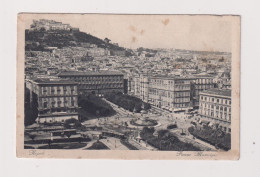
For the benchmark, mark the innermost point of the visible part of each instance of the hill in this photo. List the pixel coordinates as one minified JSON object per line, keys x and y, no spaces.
{"x":38,"y":40}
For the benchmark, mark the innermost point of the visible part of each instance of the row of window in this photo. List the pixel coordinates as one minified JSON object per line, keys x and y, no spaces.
{"x":182,"y":105}
{"x":57,"y":89}
{"x":217,"y":114}
{"x":216,"y":100}
{"x":216,"y":107}
{"x":182,"y":87}
{"x":168,"y":94}
{"x":59,"y":104}
{"x":52,"y":110}
{"x":101,"y":86}
{"x":98,"y":82}
{"x":97,"y":78}
{"x":160,"y":81}
{"x":204,"y":81}
{"x":202,"y":87}
{"x":181,"y":100}
{"x":162,"y":103}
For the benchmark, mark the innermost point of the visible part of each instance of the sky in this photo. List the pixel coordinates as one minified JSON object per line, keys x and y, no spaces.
{"x":204,"y":33}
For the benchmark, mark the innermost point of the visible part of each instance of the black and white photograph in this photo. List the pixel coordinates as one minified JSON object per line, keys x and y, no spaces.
{"x":128,"y":83}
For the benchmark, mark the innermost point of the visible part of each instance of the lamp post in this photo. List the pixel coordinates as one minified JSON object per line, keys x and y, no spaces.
{"x":161,"y":144}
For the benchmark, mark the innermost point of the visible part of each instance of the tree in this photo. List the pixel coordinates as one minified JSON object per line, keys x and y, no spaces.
{"x":32,"y":136}
{"x":49,"y":143}
{"x":42,"y":29}
{"x":68,"y":134}
{"x":69,"y":123}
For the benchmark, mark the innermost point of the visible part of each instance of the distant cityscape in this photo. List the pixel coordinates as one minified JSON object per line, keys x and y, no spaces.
{"x":83,"y":92}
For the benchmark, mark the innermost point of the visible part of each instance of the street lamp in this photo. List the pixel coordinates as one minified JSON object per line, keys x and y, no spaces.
{"x":161,"y":144}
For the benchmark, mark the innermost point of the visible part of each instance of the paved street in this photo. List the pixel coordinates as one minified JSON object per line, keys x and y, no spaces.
{"x":164,"y":119}
{"x":113,"y":143}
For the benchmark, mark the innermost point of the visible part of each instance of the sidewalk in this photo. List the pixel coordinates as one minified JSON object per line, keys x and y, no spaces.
{"x":113,"y":144}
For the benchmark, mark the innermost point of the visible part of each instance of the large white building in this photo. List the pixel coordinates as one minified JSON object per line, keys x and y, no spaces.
{"x":215,"y":106}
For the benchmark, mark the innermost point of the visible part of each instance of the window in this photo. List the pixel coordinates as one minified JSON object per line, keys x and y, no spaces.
{"x":58,"y":90}
{"x":44,"y":90}
{"x":53,"y":103}
{"x":45,"y":104}
{"x":59,"y":103}
{"x":217,"y":100}
{"x":72,"y":89}
{"x":52,"y":90}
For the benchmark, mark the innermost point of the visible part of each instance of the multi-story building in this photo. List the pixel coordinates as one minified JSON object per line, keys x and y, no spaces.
{"x":171,"y":93}
{"x":201,"y":82}
{"x":137,"y":86}
{"x":56,"y":99}
{"x":131,"y":85}
{"x":144,"y":85}
{"x":49,"y":25}
{"x":98,"y":82}
{"x":215,"y":106}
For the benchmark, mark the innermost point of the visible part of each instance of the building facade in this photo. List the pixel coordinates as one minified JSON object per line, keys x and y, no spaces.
{"x":215,"y":106}
{"x":144,"y":87}
{"x":136,"y":86}
{"x":201,"y":83}
{"x":171,"y":93}
{"x":130,"y":85}
{"x":96,"y":82}
{"x":57,"y":100}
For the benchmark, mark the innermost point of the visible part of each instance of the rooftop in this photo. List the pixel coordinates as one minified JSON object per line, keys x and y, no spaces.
{"x":53,"y":81}
{"x":221,"y":92}
{"x":173,"y":77}
{"x":202,"y":75}
{"x":89,"y":73}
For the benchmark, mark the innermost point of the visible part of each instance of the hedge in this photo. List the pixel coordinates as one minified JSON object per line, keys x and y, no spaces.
{"x":95,"y":106}
{"x":214,"y":137}
{"x":166,"y":141}
{"x":127,"y":102}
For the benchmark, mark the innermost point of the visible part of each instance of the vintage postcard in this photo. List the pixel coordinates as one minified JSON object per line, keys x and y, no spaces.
{"x":107,"y":86}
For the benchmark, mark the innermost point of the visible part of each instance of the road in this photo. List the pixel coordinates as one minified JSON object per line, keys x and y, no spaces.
{"x":113,"y":143}
{"x":163,"y":117}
